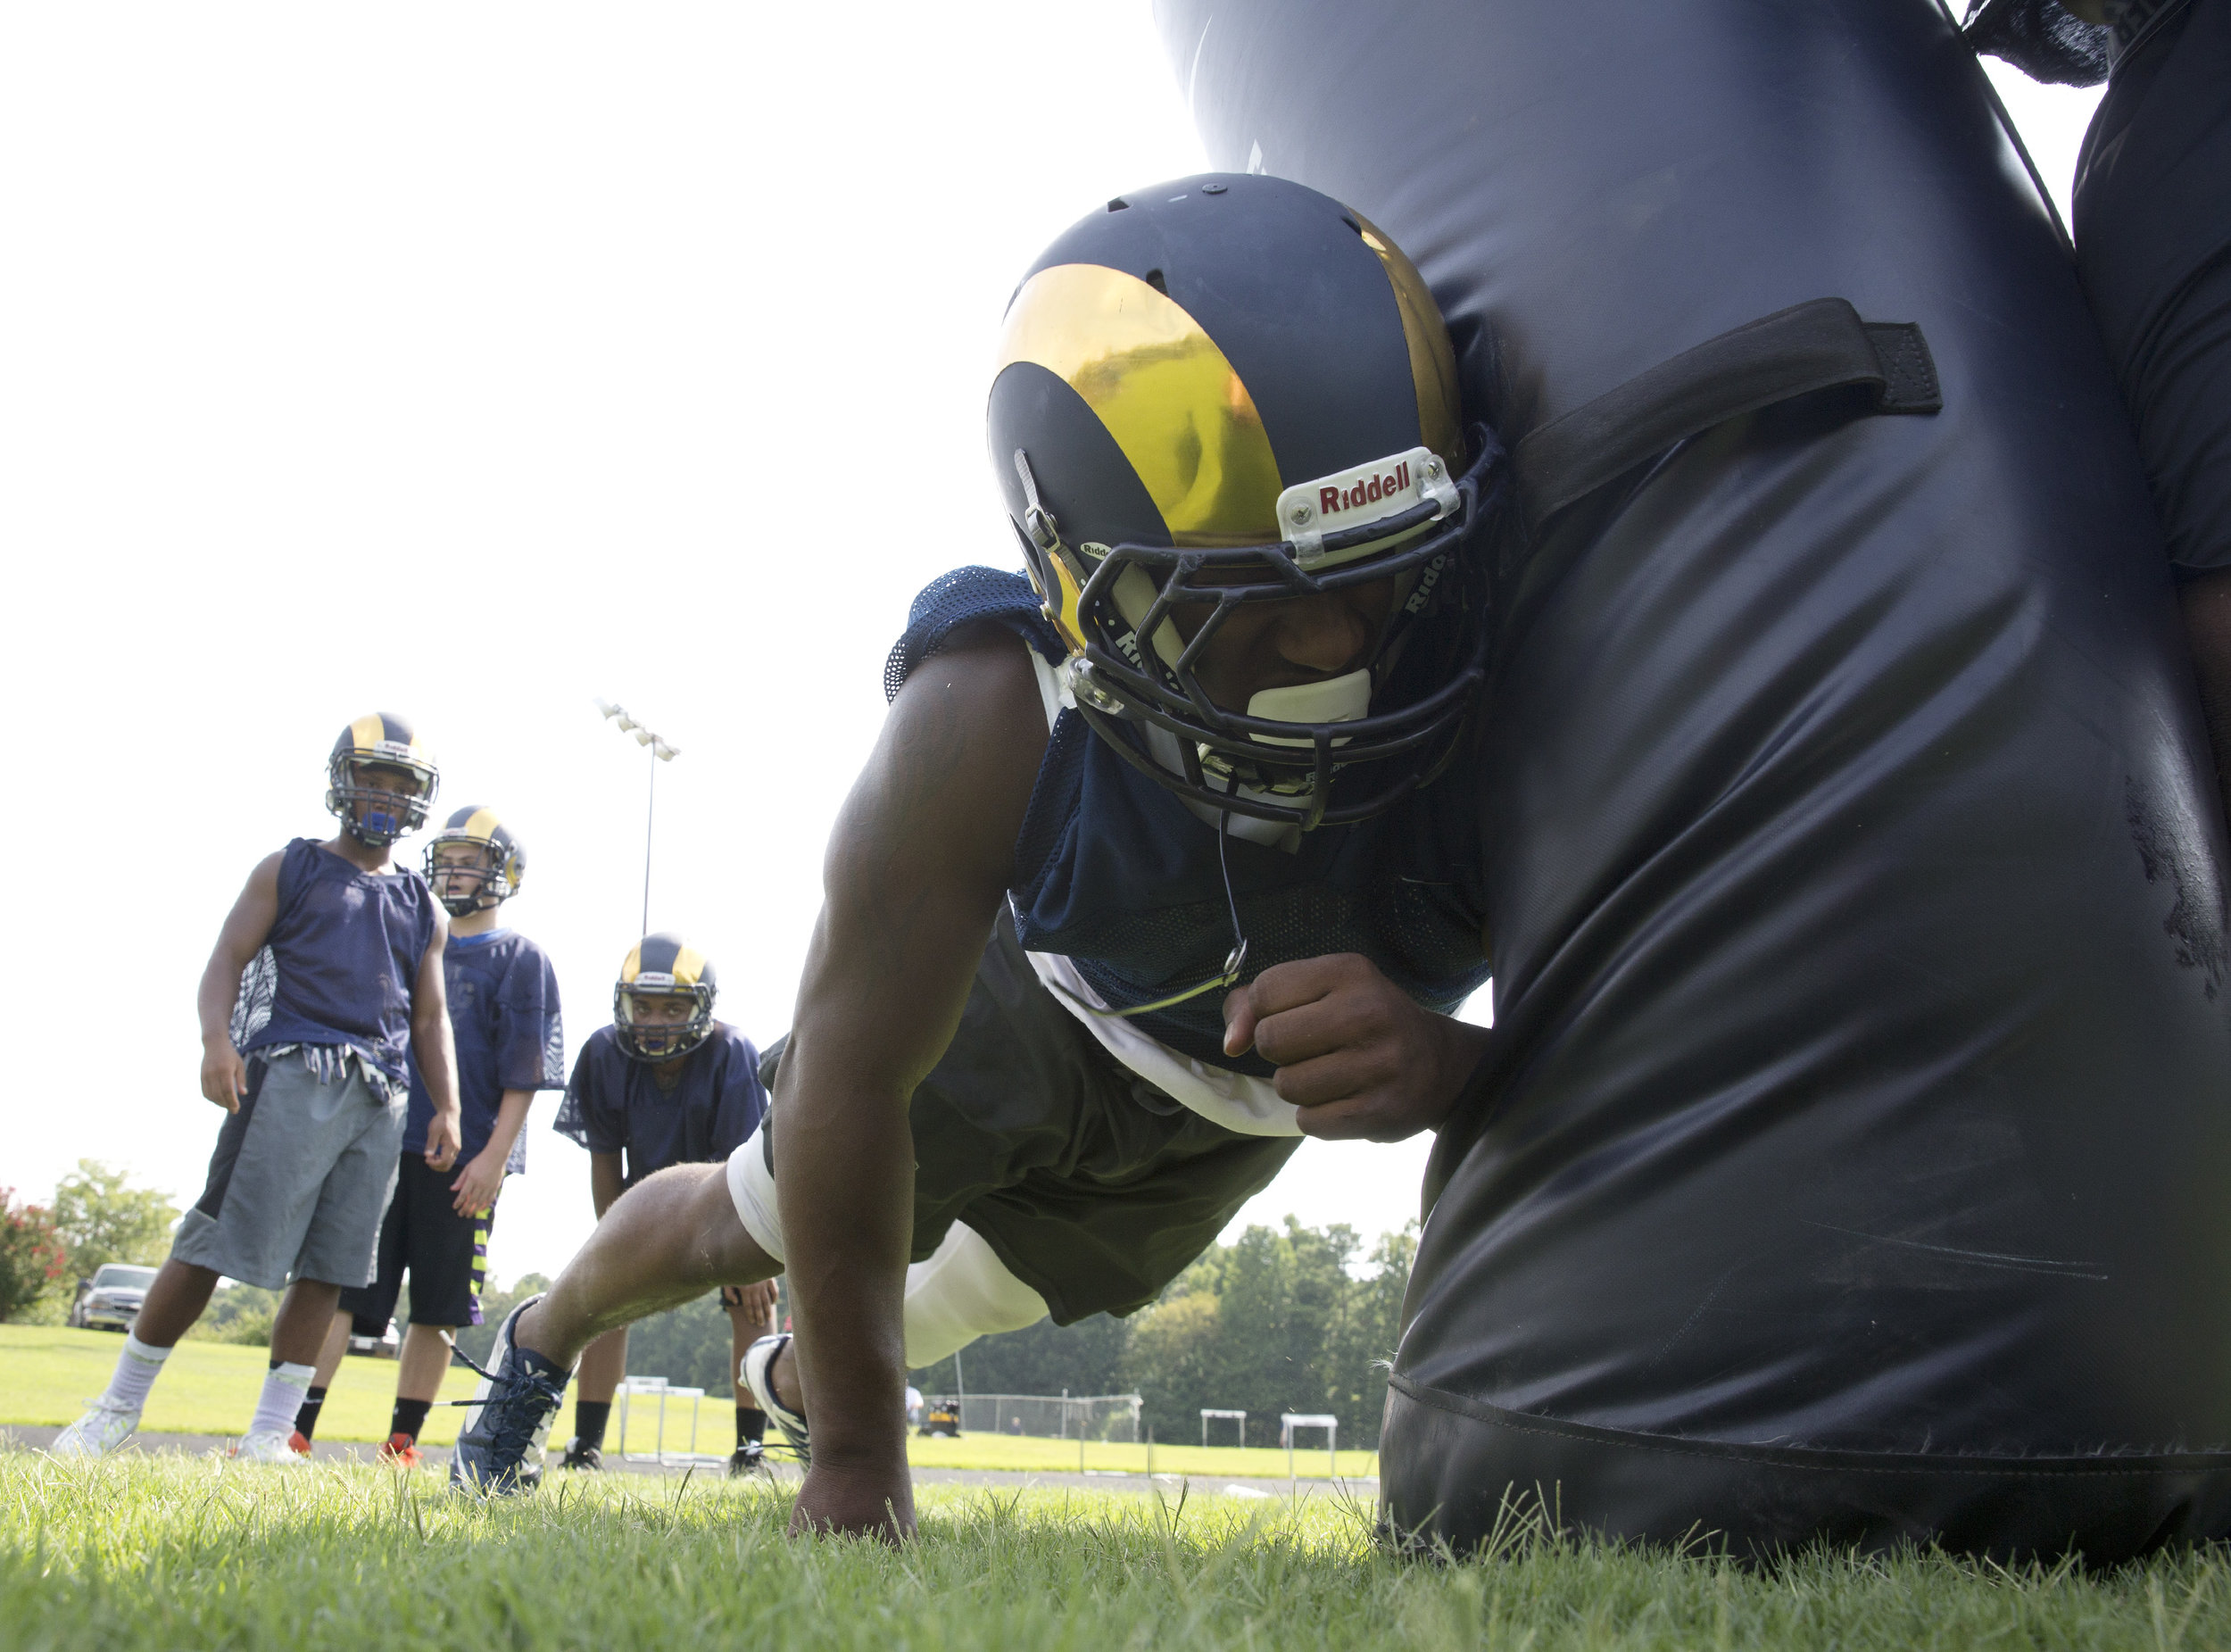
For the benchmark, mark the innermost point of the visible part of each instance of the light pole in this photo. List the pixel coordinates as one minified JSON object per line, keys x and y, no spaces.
{"x":660,"y":752}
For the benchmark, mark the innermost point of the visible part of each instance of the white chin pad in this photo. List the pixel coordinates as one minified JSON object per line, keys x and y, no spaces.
{"x":1336,"y":700}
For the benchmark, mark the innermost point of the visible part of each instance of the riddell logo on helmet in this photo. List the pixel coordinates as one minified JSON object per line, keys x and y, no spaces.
{"x":1332,"y":500}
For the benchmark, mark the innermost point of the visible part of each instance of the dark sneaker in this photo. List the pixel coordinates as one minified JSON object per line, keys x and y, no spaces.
{"x":751,"y":1458}
{"x":758,"y":1376}
{"x":579,"y":1456}
{"x":500,"y":1449}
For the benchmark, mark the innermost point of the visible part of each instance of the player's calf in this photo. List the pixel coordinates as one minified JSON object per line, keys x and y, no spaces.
{"x":665,"y":1242}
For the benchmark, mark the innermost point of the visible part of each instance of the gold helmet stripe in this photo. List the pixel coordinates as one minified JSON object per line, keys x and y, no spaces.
{"x":483,"y":824}
{"x":1162,"y":388}
{"x":366,"y":731}
{"x":631,"y":966}
{"x":689,"y":964}
{"x":1432,"y":358}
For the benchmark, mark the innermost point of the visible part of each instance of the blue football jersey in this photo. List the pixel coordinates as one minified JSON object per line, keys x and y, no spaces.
{"x":614,"y":1105}
{"x":503,"y":1015}
{"x":1113,"y":872}
{"x":341,"y":961}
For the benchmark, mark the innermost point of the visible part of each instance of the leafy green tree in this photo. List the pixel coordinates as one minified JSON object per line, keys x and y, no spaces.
{"x":31,"y":1254}
{"x":1176,"y":1363}
{"x":1281,"y":1321}
{"x":238,"y":1314}
{"x":689,"y":1346}
{"x":1045,"y":1358}
{"x":1362,"y":1345}
{"x":100,"y":1220}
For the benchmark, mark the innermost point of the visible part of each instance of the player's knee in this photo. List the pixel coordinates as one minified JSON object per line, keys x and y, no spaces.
{"x":721,"y":1251}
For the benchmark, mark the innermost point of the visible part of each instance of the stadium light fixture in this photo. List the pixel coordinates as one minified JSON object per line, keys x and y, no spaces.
{"x":662,"y":751}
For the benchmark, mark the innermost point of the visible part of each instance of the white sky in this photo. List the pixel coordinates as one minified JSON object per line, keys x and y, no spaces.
{"x":467,"y":363}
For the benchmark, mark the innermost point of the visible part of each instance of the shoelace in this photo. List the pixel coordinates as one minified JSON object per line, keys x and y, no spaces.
{"x":510,"y":1420}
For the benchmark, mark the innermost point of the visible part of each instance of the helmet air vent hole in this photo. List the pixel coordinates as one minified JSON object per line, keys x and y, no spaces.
{"x":1117,"y":204}
{"x":1351,"y":223}
{"x":1155,"y":280}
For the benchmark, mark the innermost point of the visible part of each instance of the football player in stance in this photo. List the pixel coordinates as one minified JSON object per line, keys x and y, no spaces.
{"x":325,"y":983}
{"x":664,"y":1085}
{"x":503,"y":1015}
{"x":1167,"y":855}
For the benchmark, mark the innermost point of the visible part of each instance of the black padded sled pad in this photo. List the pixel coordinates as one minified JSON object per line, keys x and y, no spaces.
{"x":1851,"y":1161}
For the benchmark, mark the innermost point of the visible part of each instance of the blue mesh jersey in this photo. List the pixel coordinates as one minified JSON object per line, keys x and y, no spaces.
{"x":1114,"y":873}
{"x":503,"y":1015}
{"x":614,"y":1105}
{"x":343,"y":957}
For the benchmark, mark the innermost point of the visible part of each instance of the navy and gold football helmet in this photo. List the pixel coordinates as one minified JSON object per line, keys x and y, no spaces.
{"x":1229,"y":390}
{"x":489,"y":875}
{"x":663,"y":1004}
{"x":380,"y":780}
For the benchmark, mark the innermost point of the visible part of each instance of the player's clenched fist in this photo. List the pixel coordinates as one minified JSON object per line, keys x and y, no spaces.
{"x":1357,"y":1055}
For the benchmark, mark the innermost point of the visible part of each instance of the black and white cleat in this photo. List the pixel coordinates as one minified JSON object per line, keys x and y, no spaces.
{"x":758,"y":1376}
{"x":500,"y":1449}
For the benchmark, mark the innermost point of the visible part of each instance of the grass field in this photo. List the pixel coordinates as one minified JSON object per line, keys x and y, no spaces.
{"x":47,"y":1374}
{"x":173,"y":1552}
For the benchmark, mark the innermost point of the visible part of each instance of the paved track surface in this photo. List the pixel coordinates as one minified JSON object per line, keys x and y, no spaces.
{"x":1366,"y":1491}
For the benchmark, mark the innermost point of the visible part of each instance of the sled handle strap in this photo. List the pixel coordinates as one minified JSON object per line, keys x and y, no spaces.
{"x":1812,"y":346}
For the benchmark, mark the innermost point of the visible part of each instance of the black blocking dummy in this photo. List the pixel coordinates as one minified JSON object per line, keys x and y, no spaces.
{"x":1854,"y":1159}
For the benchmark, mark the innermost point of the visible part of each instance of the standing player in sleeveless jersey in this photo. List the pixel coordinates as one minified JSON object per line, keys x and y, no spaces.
{"x":1167,"y":855}
{"x":664,"y":1085}
{"x":510,"y":1043}
{"x":325,"y":983}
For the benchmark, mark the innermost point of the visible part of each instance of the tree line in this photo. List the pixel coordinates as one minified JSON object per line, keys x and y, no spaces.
{"x":1289,"y":1319}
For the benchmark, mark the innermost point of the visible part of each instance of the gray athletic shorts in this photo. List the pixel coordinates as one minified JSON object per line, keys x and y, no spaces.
{"x":300,"y":1179}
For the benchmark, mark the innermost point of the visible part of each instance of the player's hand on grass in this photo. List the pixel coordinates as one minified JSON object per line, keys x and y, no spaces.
{"x":443,"y":1141}
{"x":224,"y":1074}
{"x":1357,"y":1055}
{"x":478,"y":1183}
{"x":856,"y":1501}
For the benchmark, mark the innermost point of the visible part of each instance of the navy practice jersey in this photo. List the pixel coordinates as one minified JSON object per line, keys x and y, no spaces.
{"x":344,"y":956}
{"x":614,"y":1105}
{"x":503,"y":1015}
{"x":1114,"y":873}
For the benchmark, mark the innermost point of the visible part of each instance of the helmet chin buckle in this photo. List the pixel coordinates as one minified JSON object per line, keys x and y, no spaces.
{"x":1077,"y":678}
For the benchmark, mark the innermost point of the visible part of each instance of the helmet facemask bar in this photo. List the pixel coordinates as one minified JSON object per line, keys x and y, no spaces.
{"x":387,"y":815}
{"x":493,"y":884}
{"x":1260,"y":767}
{"x":661,"y":1040}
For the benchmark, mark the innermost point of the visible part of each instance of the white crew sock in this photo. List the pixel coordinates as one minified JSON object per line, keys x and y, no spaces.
{"x":284,"y":1387}
{"x":136,"y":1369}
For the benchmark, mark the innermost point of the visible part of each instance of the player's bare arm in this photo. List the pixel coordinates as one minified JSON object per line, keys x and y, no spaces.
{"x":247,"y":928}
{"x":1357,"y":1054}
{"x":917,"y":867}
{"x":435,"y":1051}
{"x":481,"y":1178}
{"x":607,"y":1181}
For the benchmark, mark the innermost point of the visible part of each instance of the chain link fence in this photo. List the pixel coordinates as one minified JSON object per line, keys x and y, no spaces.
{"x":1048,"y":1416}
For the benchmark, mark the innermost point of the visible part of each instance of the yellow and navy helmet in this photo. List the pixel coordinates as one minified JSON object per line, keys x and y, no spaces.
{"x":663,"y":966}
{"x":490,"y":877}
{"x":1231,"y":389}
{"x":377,"y":808}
